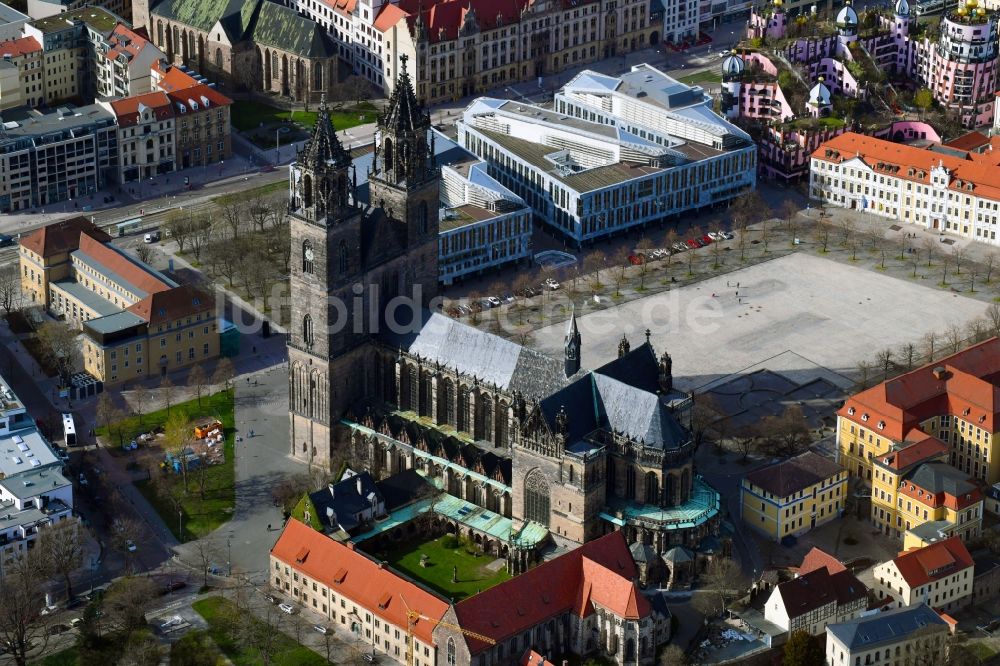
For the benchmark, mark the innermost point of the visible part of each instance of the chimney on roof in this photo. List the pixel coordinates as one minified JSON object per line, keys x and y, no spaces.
{"x":359,"y":484}
{"x":940,"y":373}
{"x":381,"y":565}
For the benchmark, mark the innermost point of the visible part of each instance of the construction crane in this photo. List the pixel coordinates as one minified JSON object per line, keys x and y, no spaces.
{"x":411,"y":620}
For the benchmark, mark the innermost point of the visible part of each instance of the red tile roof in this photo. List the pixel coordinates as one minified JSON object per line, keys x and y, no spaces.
{"x":600,"y":573}
{"x":172,"y":304}
{"x":933,"y":562}
{"x":172,"y":78}
{"x":18,"y":47}
{"x":969,"y":388}
{"x":389,"y":16}
{"x":817,"y":559}
{"x":200,"y":94}
{"x":61,"y":237}
{"x":379,"y":589}
{"x":969,"y":141}
{"x":444,"y":18}
{"x":818,"y":588}
{"x":918,"y":447}
{"x":911,"y":163}
{"x":532,"y":658}
{"x":125,"y":41}
{"x":127,"y":108}
{"x":112,"y":260}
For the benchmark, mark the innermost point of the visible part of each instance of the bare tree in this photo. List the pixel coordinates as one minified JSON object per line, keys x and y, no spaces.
{"x":744,"y":438}
{"x":22,"y":625}
{"x":167,"y":393}
{"x":60,"y":348}
{"x":930,"y":247}
{"x":144,"y":253}
{"x":908,"y":352}
{"x":977,"y":329}
{"x":721,"y":582}
{"x":125,"y":602}
{"x":201,"y":233}
{"x":106,"y":410}
{"x":954,"y":337}
{"x":930,"y":345}
{"x":673,"y":655}
{"x":864,"y":369}
{"x":740,"y":220}
{"x":959,"y":256}
{"x":988,"y":263}
{"x":140,"y":399}
{"x":993,"y":318}
{"x":178,"y":227}
{"x":789,"y":211}
{"x":125,"y":532}
{"x":224,"y":373}
{"x":10,"y":288}
{"x":786,"y":434}
{"x":973,"y":274}
{"x":884,"y":360}
{"x":945,"y":260}
{"x":198,"y":380}
{"x":60,"y":549}
{"x":821,"y":234}
{"x":205,"y":554}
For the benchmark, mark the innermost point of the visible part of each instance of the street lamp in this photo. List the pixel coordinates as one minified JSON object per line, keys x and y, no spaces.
{"x":229,"y":556}
{"x":277,"y":143}
{"x":180,"y":525}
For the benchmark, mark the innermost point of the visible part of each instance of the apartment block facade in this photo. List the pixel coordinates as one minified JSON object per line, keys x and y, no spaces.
{"x":22,"y":77}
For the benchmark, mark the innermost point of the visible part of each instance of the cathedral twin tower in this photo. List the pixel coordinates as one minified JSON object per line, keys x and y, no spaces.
{"x":354,"y":264}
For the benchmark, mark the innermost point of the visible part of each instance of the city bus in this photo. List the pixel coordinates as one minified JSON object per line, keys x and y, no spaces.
{"x":69,"y":430}
{"x":925,"y":7}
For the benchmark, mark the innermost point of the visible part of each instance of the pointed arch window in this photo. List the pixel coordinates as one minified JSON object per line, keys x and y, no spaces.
{"x":387,"y":154}
{"x":452,"y":657}
{"x":307,"y":257}
{"x":422,"y":217}
{"x":536,"y":497}
{"x":307,"y":330}
{"x":342,"y":257}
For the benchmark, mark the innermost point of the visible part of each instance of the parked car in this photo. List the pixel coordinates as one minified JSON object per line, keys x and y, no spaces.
{"x":320,"y":628}
{"x":130,"y":545}
{"x":679,"y":247}
{"x":173,"y":586}
{"x":551,"y":284}
{"x":508,"y":298}
{"x":494,"y":301}
{"x":6,"y":241}
{"x":729,"y":235}
{"x":271,"y":598}
{"x":485,"y":304}
{"x":693,"y":244}
{"x":76,"y":622}
{"x":151,"y":237}
{"x":706,"y":240}
{"x":636,"y":259}
{"x":716,"y":236}
{"x":172,"y":622}
{"x":75,"y":602}
{"x":368,"y":658}
{"x":286,"y":608}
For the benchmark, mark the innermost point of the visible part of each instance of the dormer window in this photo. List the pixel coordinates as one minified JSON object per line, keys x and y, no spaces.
{"x":850,"y":411}
{"x":864,"y":417}
{"x":881,"y":425}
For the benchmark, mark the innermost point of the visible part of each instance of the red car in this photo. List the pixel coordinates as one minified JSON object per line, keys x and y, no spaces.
{"x":706,"y":240}
{"x":693,"y":243}
{"x":637,"y":259}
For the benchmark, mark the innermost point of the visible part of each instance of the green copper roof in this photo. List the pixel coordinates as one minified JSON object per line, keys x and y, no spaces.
{"x":204,"y":14}
{"x":281,"y":28}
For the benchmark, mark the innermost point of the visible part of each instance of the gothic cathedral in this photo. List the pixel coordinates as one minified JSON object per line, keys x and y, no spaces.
{"x":350,"y":262}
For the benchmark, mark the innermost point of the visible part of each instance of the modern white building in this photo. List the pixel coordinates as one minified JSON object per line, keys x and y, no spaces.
{"x":483,"y":224}
{"x":33,"y":491}
{"x":613,"y":153}
{"x":952,"y":187}
{"x":911,"y":635}
{"x":11,"y":22}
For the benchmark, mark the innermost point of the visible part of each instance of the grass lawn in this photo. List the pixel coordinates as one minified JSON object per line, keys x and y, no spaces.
{"x":249,"y":116}
{"x":287,"y":652}
{"x":704,"y":76}
{"x":67,"y":657}
{"x":473,"y":576}
{"x":201,"y":516}
{"x":981,"y":650}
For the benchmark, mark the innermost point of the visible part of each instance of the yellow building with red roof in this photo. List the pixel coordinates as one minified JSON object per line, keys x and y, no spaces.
{"x":955,"y":399}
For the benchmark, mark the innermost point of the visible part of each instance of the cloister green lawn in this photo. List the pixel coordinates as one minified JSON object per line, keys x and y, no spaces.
{"x":247,"y":116}
{"x":473,"y":576}
{"x":217,"y":611}
{"x":200,"y":516}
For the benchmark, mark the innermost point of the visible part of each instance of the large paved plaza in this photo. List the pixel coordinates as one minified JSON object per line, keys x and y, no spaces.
{"x":799,"y":315}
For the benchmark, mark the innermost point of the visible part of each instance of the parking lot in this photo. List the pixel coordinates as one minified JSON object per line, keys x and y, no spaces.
{"x":829,"y":315}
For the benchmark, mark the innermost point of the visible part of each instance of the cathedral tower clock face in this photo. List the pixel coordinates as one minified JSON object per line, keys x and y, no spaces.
{"x":309,"y":254}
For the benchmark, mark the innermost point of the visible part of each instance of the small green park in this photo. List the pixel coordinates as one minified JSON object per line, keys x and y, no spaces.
{"x":443,"y":555}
